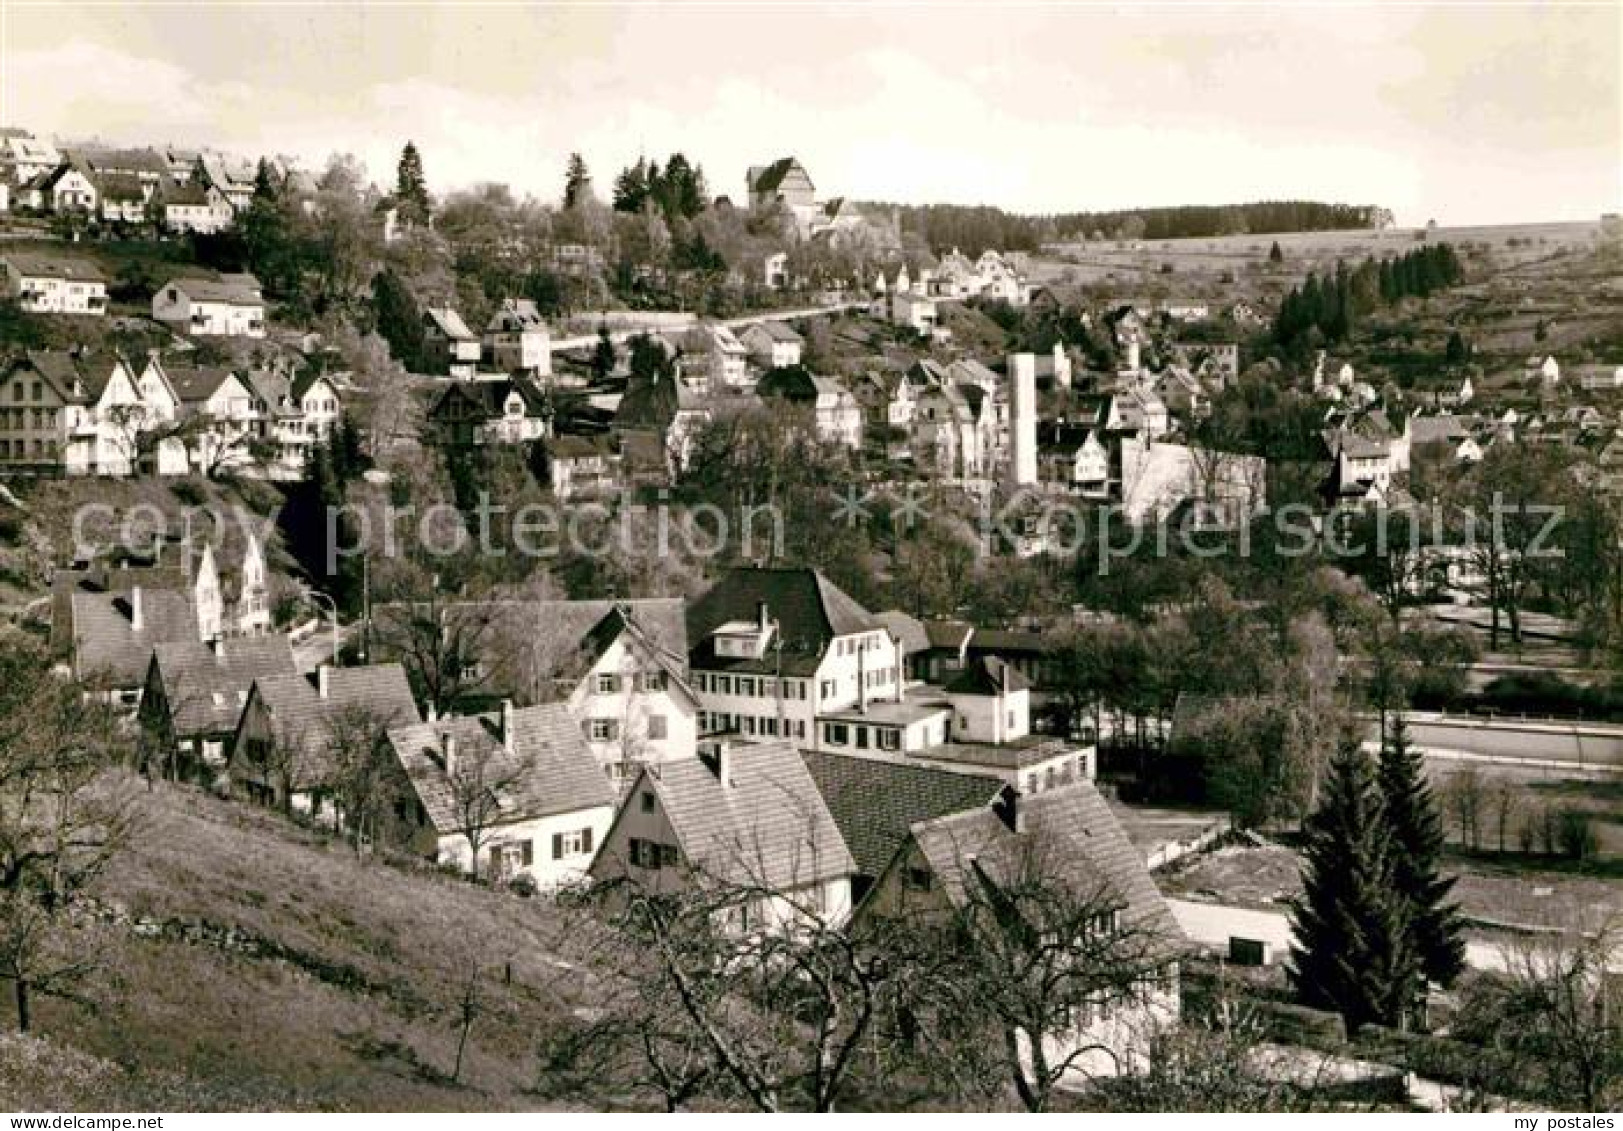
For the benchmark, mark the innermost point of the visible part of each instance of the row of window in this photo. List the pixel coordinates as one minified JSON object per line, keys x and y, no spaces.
{"x":1058,"y":775}
{"x":28,"y":449}
{"x":18,"y":418}
{"x":521,"y":853}
{"x":608,"y":730}
{"x":843,"y":734}
{"x":652,"y":854}
{"x":764,"y":726}
{"x":750,"y":686}
{"x":611,"y":683}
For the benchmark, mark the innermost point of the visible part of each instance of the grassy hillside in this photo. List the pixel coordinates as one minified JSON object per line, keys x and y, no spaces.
{"x":252,"y":964}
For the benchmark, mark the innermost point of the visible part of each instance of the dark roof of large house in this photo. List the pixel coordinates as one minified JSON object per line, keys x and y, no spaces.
{"x":768,"y":825}
{"x":771,"y":177}
{"x":948,"y":634}
{"x":810,"y":611}
{"x":187,"y":195}
{"x":987,"y":675}
{"x":1067,"y":835}
{"x":207,"y":685}
{"x":105,"y":643}
{"x":876,"y":802}
{"x":121,"y":186}
{"x":489,"y":396}
{"x":546,"y":769}
{"x":300,"y":716}
{"x":127,"y":161}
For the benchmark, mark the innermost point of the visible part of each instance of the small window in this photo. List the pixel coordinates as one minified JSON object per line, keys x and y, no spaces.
{"x":656,"y":727}
{"x":607,"y":683}
{"x":647,"y":801}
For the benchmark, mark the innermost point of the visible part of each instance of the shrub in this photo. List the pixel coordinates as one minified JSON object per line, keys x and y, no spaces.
{"x":1575,"y":834}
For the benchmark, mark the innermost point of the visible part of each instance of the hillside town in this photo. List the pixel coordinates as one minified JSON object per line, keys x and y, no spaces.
{"x":697,"y":640}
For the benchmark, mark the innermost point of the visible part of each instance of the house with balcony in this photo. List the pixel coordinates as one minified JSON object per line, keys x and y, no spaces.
{"x":231,"y":305}
{"x":84,"y":413}
{"x":48,"y":284}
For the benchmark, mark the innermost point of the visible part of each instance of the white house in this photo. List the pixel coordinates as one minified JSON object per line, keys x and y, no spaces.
{"x":283,"y":751}
{"x":744,"y":814}
{"x":196,"y":208}
{"x":88,"y":414}
{"x":772,"y":649}
{"x":26,"y":155}
{"x":518,"y":786}
{"x":772,"y":345}
{"x":633,"y":700}
{"x":223,"y":415}
{"x":516,"y":338}
{"x":231,"y":305}
{"x":44,"y":284}
{"x":913,"y":311}
{"x":1065,"y":838}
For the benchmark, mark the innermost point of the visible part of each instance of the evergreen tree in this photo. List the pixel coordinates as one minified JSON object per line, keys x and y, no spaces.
{"x":1457,"y":351}
{"x":603,"y":354}
{"x":577,"y":181}
{"x":411,"y":189}
{"x":1275,"y":254}
{"x":631,"y":187}
{"x":1352,"y":951}
{"x":399,"y":322}
{"x":1416,"y":829}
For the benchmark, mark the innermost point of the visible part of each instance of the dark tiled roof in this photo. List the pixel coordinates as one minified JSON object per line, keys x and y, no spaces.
{"x":105,"y":642}
{"x":875,"y":802}
{"x":239,"y":290}
{"x":1070,"y":836}
{"x":300,"y":715}
{"x":207,"y":686}
{"x":772,"y":176}
{"x":548,"y":769}
{"x":769,"y":826}
{"x":196,"y":383}
{"x":121,"y":186}
{"x":985,"y":675}
{"x":810,"y":610}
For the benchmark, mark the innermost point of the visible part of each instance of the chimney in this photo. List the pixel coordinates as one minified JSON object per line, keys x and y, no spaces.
{"x":1007,"y":807}
{"x":448,"y":753}
{"x":137,"y":622}
{"x":507,"y":725}
{"x":720,"y":761}
{"x":324,"y":680}
{"x":761,"y":614}
{"x":862,"y":676}
{"x":217,"y":646}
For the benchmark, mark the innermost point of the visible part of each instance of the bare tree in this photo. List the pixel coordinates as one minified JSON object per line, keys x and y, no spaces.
{"x":440,"y":645}
{"x":1556,"y":1011}
{"x":1039,"y":956}
{"x":363,"y":778}
{"x":478,"y":784}
{"x":63,"y":816}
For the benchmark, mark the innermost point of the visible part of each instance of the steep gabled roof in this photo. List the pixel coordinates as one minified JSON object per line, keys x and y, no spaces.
{"x":301,"y":716}
{"x":769,"y":825}
{"x":105,"y":642}
{"x":1068,"y":835}
{"x":908,"y":631}
{"x":876,"y":802}
{"x":197,"y":383}
{"x":448,"y":322}
{"x":207,"y":686}
{"x":809,"y":609}
{"x":546,"y":769}
{"x":772,"y":177}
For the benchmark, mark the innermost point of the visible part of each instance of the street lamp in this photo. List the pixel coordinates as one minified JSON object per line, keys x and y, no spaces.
{"x":332,"y":606}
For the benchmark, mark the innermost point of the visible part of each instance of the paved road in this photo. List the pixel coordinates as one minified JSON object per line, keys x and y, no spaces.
{"x":583,"y":340}
{"x":1212,"y":924}
{"x":1583,"y":744}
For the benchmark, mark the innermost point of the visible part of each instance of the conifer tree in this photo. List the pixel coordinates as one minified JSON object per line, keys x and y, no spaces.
{"x":1416,"y":828}
{"x":1352,"y":951}
{"x":577,"y":181}
{"x":1275,"y":254}
{"x":411,"y":189}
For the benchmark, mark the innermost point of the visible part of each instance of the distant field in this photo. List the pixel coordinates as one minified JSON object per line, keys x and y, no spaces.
{"x":1203,"y":261}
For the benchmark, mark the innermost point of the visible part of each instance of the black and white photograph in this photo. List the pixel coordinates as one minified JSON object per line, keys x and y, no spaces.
{"x":618,"y":558}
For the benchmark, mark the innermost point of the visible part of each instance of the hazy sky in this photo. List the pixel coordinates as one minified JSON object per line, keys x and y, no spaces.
{"x":1467,"y":114}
